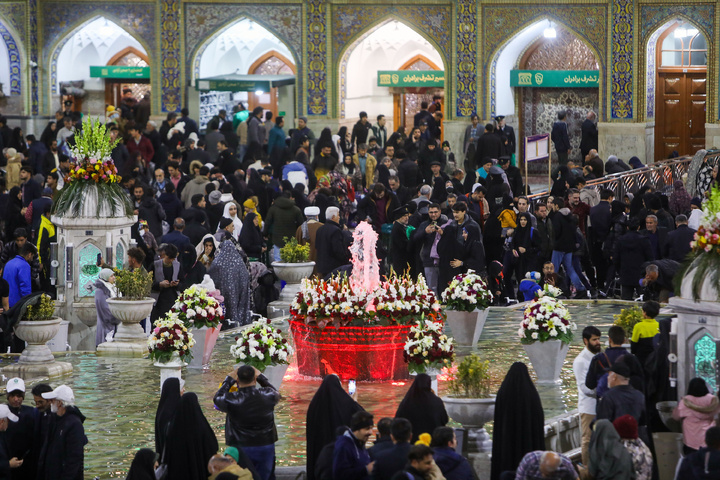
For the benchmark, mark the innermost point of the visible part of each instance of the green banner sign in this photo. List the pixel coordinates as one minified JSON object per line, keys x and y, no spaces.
{"x":232,"y":85}
{"x":411,"y":78}
{"x":119,"y":71}
{"x":554,"y":78}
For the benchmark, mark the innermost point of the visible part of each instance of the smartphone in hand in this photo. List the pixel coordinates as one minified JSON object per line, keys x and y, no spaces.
{"x":352,"y":387}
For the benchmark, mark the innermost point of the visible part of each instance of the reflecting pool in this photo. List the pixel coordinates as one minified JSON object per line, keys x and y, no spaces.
{"x":119,"y":395}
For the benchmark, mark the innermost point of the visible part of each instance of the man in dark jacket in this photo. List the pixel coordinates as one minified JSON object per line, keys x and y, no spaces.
{"x":631,"y":251}
{"x":20,"y":434}
{"x":330,"y":244}
{"x":62,"y":456}
{"x":360,"y":130}
{"x":250,"y":421}
{"x":282,"y":221}
{"x":705,"y":463}
{"x":564,"y":227}
{"x":393,"y":460}
{"x":35,"y":153}
{"x":147,"y":208}
{"x":622,"y":399}
{"x":460,"y":247}
{"x":561,"y":138}
{"x":489,"y":145}
{"x":657,"y":278}
{"x":420,"y":459}
{"x":657,"y":236}
{"x":677,"y":242}
{"x":383,"y":441}
{"x":350,"y":459}
{"x":589,"y":140}
{"x":30,"y":188}
{"x":596,"y":377}
{"x":426,"y":236}
{"x":176,"y":236}
{"x":11,"y":249}
{"x":7,"y":461}
{"x":452,"y":465}
{"x":409,"y":172}
{"x":598,"y":232}
{"x":378,"y":207}
{"x":513,"y":175}
{"x":545,"y":233}
{"x":399,"y":244}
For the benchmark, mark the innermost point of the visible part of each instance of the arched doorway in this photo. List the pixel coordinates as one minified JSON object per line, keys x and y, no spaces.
{"x":272,"y":63}
{"x":681,"y":90}
{"x":139,"y":88}
{"x":390,"y":46}
{"x":83,"y":60}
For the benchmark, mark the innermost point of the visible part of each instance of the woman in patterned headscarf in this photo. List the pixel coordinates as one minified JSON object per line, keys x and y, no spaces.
{"x":231,"y":277}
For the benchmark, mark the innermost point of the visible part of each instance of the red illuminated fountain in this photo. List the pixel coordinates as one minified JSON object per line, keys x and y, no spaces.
{"x":357,"y":327}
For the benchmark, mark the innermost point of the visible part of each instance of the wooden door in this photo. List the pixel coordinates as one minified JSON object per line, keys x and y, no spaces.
{"x":680,"y":117}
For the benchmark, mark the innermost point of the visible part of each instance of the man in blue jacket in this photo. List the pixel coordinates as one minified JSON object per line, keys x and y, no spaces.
{"x":350,"y":459}
{"x":18,"y":273}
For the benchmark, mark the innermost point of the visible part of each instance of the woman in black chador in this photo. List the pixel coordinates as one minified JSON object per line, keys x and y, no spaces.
{"x":422,"y":407}
{"x":167,"y":407}
{"x":519,"y":426}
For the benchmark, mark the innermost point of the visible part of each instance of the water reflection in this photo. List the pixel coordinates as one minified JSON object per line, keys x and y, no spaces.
{"x":119,"y":396}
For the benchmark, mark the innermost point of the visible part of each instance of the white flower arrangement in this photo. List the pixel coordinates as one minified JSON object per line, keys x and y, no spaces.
{"x":169,"y":336}
{"x":400,"y":300}
{"x":196,"y":307}
{"x":467,"y":292}
{"x":320,"y":300}
{"x":428,"y":347}
{"x":261,"y":345}
{"x":546,"y":318}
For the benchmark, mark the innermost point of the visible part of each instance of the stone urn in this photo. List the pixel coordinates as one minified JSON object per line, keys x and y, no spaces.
{"x":205,"y":339}
{"x":170,"y":369}
{"x":547,"y":359}
{"x":37,"y":333}
{"x":275,"y":374}
{"x":130,"y":339}
{"x":433,"y":374}
{"x":292,"y":274}
{"x":473,"y":414}
{"x":466,"y":326}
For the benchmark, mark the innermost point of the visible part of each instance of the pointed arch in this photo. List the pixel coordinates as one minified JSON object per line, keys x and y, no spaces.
{"x":198,"y":52}
{"x":57,"y":46}
{"x":14,"y":48}
{"x":271,"y":54}
{"x":419,"y":58}
{"x":354,"y":41}
{"x":126,"y":51}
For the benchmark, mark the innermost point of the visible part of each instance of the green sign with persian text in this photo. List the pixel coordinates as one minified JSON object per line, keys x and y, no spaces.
{"x":411,"y":78}
{"x":554,"y":78}
{"x":119,"y":71}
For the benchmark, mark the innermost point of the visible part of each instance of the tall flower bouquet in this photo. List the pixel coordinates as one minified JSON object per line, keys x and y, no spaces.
{"x":197,"y":308}
{"x":467,"y":292}
{"x":704,"y":257}
{"x":170,"y":336}
{"x":546,"y":318}
{"x":93,"y":175}
{"x":400,"y":300}
{"x":427,"y":347}
{"x":324,"y":302}
{"x":261,"y":346}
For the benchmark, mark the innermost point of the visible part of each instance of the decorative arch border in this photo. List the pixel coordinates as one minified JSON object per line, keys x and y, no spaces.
{"x":655,"y":18}
{"x":589,"y":22}
{"x":13,"y":49}
{"x":419,"y":58}
{"x":268,"y":55}
{"x":344,"y":51}
{"x":125,"y":51}
{"x":57,"y":47}
{"x":599,"y":50}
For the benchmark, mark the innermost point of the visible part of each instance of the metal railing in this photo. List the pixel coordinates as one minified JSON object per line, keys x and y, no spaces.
{"x":659,"y":175}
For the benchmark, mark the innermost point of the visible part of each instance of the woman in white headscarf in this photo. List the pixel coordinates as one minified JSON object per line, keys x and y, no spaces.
{"x":105,"y":289}
{"x":231,"y":212}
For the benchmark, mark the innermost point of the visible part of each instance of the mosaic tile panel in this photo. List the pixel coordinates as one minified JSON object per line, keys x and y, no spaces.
{"x":316,"y":60}
{"x":650,"y":74}
{"x":652,"y":16}
{"x":621,"y":105}
{"x":171,"y":97}
{"x":13,"y":15}
{"x":14,"y":54}
{"x":466,"y":58}
{"x":32,"y":31}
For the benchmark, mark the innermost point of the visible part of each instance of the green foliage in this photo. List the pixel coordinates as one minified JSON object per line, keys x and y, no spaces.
{"x":42,"y":309}
{"x":472,"y":379}
{"x":73,"y":195}
{"x":628,"y":317}
{"x":133,"y":285}
{"x":94,"y":141}
{"x":293,"y":252}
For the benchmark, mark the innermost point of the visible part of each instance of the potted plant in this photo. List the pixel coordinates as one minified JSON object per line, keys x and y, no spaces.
{"x":293,"y":265}
{"x":37,"y":327}
{"x":263,"y":347}
{"x":199,"y":310}
{"x":466,"y":300}
{"x":546,"y":332}
{"x":170,"y":346}
{"x":469,"y":401}
{"x":627,"y":318}
{"x":133,"y":305}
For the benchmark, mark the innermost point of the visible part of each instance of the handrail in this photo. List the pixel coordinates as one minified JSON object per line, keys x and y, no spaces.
{"x":659,"y":175}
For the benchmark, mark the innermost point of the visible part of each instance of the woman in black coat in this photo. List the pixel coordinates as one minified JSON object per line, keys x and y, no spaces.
{"x":632,"y":250}
{"x":525,"y":243}
{"x":251,"y":239}
{"x":143,"y":465}
{"x":167,"y":406}
{"x":191,"y":441}
{"x":422,"y":407}
{"x":14,"y":217}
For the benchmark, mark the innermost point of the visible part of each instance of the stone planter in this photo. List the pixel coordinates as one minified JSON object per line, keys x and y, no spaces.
{"x":205,"y":339}
{"x":171,"y":368}
{"x":466,"y":327}
{"x":292,"y":274}
{"x":37,"y":359}
{"x":547,"y":359}
{"x":665,"y":410}
{"x":473,"y":413}
{"x":433,"y":374}
{"x":130,"y":339}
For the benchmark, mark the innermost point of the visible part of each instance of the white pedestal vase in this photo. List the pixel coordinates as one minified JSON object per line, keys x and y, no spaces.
{"x":473,"y":414}
{"x":292,"y":274}
{"x":205,"y":339}
{"x":130,"y":339}
{"x":433,"y":373}
{"x":37,"y":359}
{"x":171,"y":368}
{"x":547,"y":359}
{"x":466,"y":327}
{"x":275,"y":374}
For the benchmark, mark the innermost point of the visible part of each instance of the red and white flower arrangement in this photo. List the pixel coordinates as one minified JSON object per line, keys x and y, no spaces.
{"x":197,"y":308}
{"x":546,"y":318}
{"x":327,"y":301}
{"x":170,"y":336}
{"x":427,"y":347}
{"x":261,"y":346}
{"x":400,"y":300}
{"x":467,"y":292}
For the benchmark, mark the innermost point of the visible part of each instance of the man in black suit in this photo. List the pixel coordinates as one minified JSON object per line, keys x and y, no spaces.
{"x":598,"y":232}
{"x":422,"y":116}
{"x":657,"y":236}
{"x":507,"y":135}
{"x":561,"y":138}
{"x":31,"y":190}
{"x":589,"y":130}
{"x":489,"y":145}
{"x":401,"y":192}
{"x":677,"y":244}
{"x":330,"y":241}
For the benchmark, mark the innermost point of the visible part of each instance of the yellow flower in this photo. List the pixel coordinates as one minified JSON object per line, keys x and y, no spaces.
{"x":424,"y":439}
